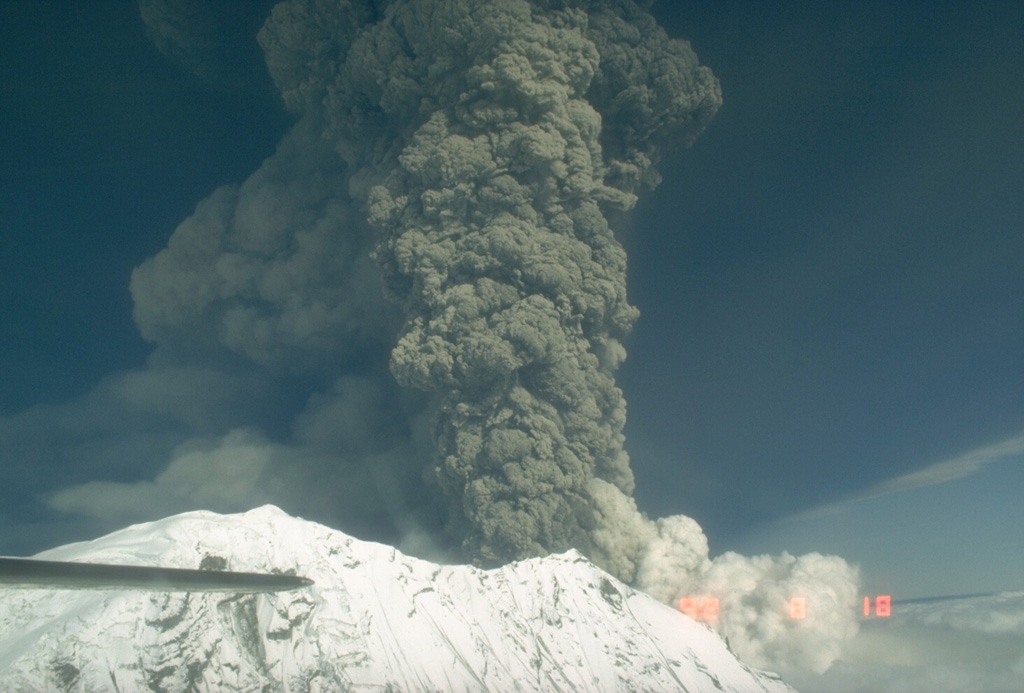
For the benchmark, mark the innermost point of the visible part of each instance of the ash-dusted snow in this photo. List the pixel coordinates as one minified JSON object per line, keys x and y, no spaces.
{"x":374,"y":620}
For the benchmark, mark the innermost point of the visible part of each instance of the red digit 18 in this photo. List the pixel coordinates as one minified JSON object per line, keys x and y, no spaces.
{"x":883,"y":606}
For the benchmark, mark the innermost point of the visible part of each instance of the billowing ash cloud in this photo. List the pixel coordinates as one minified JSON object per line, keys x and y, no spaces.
{"x":464,"y":230}
{"x":276,"y":270}
{"x":276,"y":274}
{"x":755,"y":592}
{"x":490,"y":142}
{"x":475,"y":136}
{"x":754,"y":595}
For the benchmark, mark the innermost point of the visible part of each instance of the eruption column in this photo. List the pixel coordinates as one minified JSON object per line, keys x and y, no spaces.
{"x":489,"y":140}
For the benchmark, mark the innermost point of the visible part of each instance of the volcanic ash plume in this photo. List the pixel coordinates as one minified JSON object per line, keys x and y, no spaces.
{"x":483,"y":147}
{"x":489,"y":141}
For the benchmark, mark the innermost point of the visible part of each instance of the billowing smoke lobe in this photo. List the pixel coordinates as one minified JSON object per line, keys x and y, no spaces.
{"x":489,"y":140}
{"x":483,"y":147}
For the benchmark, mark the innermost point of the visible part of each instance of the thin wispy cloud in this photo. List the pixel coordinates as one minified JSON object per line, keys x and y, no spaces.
{"x":949,"y":470}
{"x":940,"y":473}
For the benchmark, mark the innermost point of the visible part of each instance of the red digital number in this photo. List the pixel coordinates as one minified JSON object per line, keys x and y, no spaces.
{"x":700,"y":608}
{"x":688,"y":605}
{"x":798,"y":607}
{"x":710,"y":611}
{"x":883,"y":606}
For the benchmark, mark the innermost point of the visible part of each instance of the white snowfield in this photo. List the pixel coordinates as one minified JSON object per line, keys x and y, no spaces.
{"x":375,"y":620}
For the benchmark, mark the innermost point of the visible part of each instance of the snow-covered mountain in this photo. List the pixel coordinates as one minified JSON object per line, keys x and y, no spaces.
{"x":374,"y":620}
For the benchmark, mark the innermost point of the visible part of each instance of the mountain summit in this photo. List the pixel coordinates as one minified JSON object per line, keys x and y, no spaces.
{"x":374,"y":620}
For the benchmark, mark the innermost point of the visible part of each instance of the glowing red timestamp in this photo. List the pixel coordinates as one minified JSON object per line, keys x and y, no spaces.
{"x":706,"y":608}
{"x":798,"y":608}
{"x":883,"y":606}
{"x":703,"y":609}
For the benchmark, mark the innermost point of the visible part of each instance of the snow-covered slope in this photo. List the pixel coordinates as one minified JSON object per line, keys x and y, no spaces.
{"x":375,"y":620}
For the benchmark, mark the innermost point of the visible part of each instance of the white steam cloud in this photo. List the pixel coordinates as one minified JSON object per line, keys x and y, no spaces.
{"x":445,"y":198}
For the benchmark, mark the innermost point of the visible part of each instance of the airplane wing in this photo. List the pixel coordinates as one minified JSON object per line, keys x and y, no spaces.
{"x":27,"y":572}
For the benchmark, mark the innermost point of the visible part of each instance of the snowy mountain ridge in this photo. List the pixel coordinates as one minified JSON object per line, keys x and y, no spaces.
{"x":374,"y":620}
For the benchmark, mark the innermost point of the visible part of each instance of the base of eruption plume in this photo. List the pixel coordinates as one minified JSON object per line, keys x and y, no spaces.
{"x":373,"y":619}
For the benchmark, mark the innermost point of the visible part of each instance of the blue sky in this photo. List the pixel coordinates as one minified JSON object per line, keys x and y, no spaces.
{"x":951,"y":528}
{"x":830,"y":280}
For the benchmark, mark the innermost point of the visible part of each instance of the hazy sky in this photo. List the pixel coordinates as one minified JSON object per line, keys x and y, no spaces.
{"x":831,"y":281}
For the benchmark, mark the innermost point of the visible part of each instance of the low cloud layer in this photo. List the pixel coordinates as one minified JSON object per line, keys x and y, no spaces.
{"x":961,"y":644}
{"x":354,"y":456}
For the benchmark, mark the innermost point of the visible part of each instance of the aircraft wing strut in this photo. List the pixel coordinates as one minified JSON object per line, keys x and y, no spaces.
{"x":27,"y":572}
